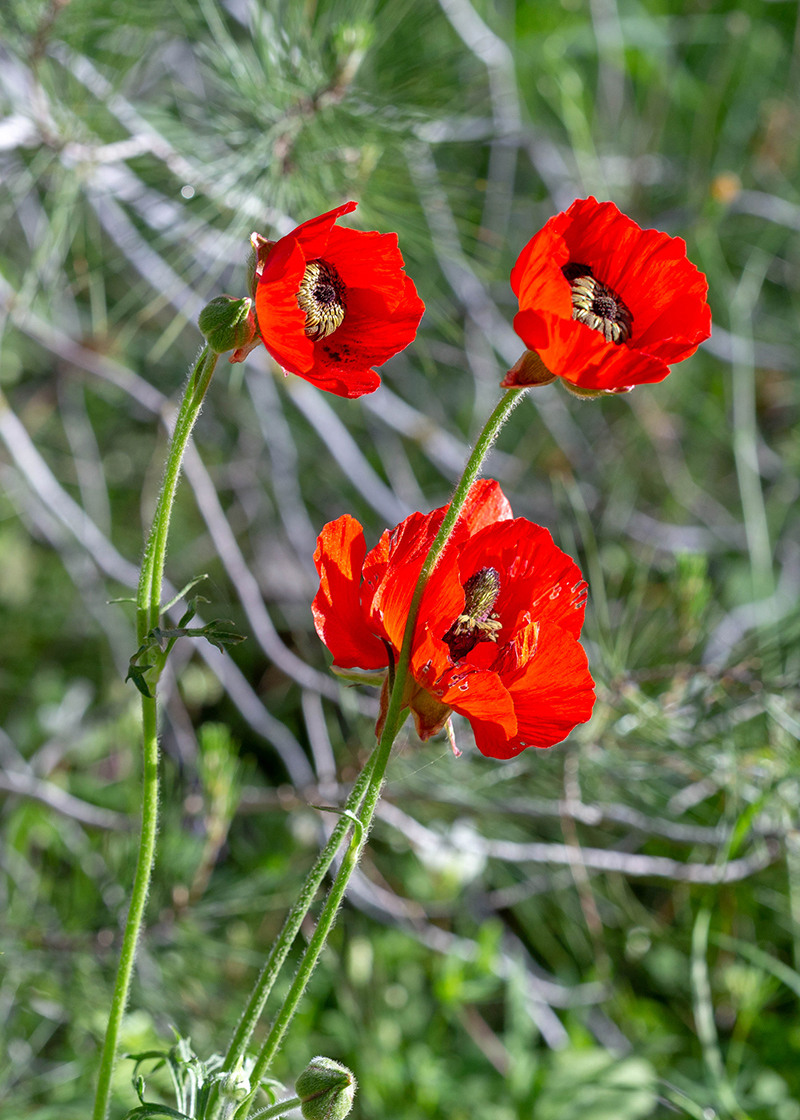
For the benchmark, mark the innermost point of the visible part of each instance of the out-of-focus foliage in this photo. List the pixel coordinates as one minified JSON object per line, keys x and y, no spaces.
{"x":608,"y":930}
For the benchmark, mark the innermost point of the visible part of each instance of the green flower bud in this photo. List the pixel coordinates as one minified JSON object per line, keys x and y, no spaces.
{"x":227,"y":323}
{"x":326,"y":1090}
{"x":234,"y":1086}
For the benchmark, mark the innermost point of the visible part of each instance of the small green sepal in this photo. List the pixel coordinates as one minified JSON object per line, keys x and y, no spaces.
{"x":360,"y":676}
{"x":593,"y":394}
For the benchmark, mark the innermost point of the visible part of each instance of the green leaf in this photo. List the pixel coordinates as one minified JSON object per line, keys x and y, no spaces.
{"x":163,"y":639}
{"x":182,"y":593}
{"x":139,"y":1086}
{"x":136,"y":674}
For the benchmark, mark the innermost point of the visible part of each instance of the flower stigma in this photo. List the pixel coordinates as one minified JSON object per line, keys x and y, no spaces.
{"x":477,"y":623}
{"x":321,"y":296}
{"x":596,"y":305}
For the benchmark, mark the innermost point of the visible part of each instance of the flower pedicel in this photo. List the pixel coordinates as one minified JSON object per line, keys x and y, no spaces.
{"x":604,"y":304}
{"x":331,"y":302}
{"x":497,"y":633}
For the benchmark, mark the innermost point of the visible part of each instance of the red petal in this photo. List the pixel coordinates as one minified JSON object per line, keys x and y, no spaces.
{"x":649,"y":269}
{"x":664,"y":291}
{"x":350,"y":385}
{"x":442,"y":600}
{"x":313,"y":236}
{"x":486,"y":504}
{"x":516,"y":654}
{"x":678,"y":332}
{"x":281,"y":323}
{"x":388,"y":562}
{"x":537,"y":278}
{"x":554,"y":695}
{"x":582,"y":355}
{"x":337,"y":607}
{"x":480,"y":695}
{"x":538,"y":582}
{"x":555,"y":691}
{"x":369,"y":260}
{"x":372,"y":332}
{"x":430,"y":659}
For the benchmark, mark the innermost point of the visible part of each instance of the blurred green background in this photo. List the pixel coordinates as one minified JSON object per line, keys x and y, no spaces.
{"x":607,"y":930}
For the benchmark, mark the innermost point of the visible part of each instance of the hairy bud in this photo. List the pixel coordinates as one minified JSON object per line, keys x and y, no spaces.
{"x":234,"y":1086}
{"x":227,"y":323}
{"x":326,"y":1090}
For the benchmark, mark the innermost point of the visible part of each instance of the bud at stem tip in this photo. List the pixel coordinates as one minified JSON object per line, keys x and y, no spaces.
{"x":326,"y":1090}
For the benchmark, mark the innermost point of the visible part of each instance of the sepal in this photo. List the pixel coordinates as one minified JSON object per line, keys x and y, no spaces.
{"x":360,"y":676}
{"x":529,"y":369}
{"x":593,"y":394}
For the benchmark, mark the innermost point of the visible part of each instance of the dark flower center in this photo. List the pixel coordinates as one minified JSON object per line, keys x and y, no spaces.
{"x":321,"y":296}
{"x":477,"y":623}
{"x":597,"y":305}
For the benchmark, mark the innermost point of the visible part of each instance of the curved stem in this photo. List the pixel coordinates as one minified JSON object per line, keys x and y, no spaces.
{"x":148,"y":596}
{"x":483,"y":446}
{"x":329,"y":911}
{"x":392,"y":724}
{"x":148,"y":605}
{"x":279,"y":1109}
{"x":294,"y":919}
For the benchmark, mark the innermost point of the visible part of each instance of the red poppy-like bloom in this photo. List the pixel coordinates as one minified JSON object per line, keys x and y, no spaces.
{"x":331,"y":302}
{"x":605,"y":304}
{"x":497,"y":632}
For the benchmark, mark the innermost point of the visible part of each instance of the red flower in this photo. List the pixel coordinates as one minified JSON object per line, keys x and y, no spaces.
{"x":605,"y":304}
{"x":497,"y":633}
{"x":332,"y":302}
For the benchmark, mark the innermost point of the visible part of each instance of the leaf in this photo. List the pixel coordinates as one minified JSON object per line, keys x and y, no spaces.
{"x":215,"y":632}
{"x":136,"y":674}
{"x":182,"y":593}
{"x":139,"y":1086}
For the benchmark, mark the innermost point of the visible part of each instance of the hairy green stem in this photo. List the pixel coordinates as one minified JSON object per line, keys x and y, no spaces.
{"x":483,"y":446}
{"x":148,"y":608}
{"x":148,"y":596}
{"x":329,"y":911}
{"x":392,"y":725}
{"x":294,"y":920}
{"x":279,"y":1109}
